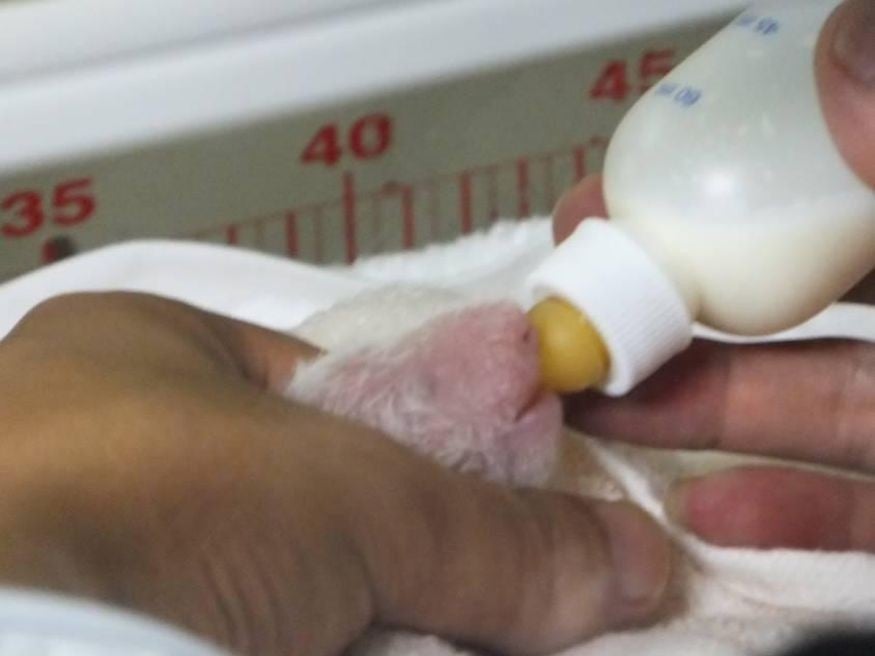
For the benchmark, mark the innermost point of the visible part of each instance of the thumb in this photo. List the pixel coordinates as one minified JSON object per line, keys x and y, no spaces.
{"x":518,"y":571}
{"x":845,"y":65}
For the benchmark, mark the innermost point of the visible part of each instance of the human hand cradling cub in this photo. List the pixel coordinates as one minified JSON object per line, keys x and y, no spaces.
{"x":150,"y":461}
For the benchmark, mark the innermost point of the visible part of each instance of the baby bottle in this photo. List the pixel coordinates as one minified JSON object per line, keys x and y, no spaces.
{"x":730,"y":205}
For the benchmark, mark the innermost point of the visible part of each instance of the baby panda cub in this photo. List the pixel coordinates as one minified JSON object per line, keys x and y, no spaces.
{"x":456,"y":381}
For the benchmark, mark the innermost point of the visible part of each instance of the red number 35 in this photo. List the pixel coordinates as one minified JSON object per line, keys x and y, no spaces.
{"x":72,"y":203}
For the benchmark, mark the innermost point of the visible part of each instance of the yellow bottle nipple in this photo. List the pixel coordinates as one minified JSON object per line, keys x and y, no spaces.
{"x":573,"y":355}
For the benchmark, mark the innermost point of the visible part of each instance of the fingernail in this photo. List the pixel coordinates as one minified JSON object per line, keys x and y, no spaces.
{"x":640,"y":559}
{"x":853,"y":44}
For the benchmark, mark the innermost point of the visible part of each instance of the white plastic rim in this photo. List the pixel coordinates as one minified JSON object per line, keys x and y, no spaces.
{"x":135,"y":79}
{"x":37,"y":623}
{"x":56,"y":35}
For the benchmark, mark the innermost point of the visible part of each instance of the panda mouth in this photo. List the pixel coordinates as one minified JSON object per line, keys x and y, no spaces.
{"x":540,"y":409}
{"x":534,"y":398}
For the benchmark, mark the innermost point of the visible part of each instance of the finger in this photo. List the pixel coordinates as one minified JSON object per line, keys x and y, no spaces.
{"x":157,"y":332}
{"x":267,"y":357}
{"x":518,"y":572}
{"x":845,"y":65}
{"x":810,"y":401}
{"x":770,"y":507}
{"x":583,"y":200}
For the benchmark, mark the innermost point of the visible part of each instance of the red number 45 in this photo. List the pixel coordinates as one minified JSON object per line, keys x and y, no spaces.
{"x":617,"y":80}
{"x":72,"y":202}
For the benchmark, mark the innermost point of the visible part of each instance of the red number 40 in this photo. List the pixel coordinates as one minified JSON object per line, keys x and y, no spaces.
{"x":367,"y":138}
{"x":72,"y":202}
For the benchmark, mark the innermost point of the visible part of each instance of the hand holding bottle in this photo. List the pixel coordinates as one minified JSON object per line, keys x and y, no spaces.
{"x":809,"y":402}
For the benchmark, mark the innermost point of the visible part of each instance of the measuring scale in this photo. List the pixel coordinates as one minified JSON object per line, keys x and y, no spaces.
{"x":321,"y":131}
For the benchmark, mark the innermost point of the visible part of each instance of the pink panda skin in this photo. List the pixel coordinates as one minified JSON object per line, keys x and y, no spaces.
{"x":463,"y":389}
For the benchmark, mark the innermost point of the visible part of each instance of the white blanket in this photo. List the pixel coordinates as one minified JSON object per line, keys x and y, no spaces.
{"x":725,"y":601}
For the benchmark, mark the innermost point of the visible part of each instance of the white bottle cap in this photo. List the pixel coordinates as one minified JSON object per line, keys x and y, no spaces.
{"x":633,"y":305}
